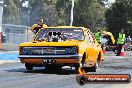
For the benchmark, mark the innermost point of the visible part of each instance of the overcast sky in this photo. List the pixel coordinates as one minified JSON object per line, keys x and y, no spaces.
{"x":111,"y":1}
{"x":25,"y":4}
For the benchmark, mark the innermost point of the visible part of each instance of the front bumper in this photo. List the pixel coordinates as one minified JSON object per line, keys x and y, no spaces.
{"x":76,"y":56}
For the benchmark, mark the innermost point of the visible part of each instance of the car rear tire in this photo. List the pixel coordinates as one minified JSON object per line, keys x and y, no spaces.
{"x":95,"y":67}
{"x":91,"y":69}
{"x":29,"y":67}
{"x":77,"y":68}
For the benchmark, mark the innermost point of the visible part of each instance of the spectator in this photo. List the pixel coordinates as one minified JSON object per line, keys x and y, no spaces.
{"x":128,"y":41}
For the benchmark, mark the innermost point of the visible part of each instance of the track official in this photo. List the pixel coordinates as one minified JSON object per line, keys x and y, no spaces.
{"x":98,"y":36}
{"x":120,"y":42}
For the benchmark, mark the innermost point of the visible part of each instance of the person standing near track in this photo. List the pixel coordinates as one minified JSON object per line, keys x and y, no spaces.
{"x":98,"y":36}
{"x":120,"y":42}
{"x":36,"y":27}
{"x":128,"y":41}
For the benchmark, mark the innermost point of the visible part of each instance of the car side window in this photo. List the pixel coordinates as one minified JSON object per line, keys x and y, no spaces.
{"x":91,"y":38}
{"x":87,"y":38}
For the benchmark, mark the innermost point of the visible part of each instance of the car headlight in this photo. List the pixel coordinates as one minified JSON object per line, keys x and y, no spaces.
{"x":71,"y":50}
{"x":26,"y":50}
{"x":30,"y":51}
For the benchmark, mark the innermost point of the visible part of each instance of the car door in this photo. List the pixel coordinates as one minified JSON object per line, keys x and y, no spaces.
{"x":89,"y":49}
{"x":94,"y":47}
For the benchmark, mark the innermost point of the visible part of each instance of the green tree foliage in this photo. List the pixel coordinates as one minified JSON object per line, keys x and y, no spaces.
{"x":45,"y":9}
{"x":102,"y":2}
{"x":89,"y":13}
{"x":119,"y":16}
{"x":11,"y":12}
{"x":63,"y":7}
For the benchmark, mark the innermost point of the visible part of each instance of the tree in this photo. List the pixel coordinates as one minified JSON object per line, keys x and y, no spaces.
{"x":11,"y":13}
{"x":89,"y":13}
{"x":119,"y":16}
{"x":63,"y":7}
{"x":15,"y":13}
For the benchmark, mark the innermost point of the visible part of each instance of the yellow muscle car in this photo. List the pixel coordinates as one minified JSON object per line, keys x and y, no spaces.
{"x":55,"y":47}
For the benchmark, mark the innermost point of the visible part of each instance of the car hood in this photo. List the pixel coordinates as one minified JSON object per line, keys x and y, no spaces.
{"x":44,"y":43}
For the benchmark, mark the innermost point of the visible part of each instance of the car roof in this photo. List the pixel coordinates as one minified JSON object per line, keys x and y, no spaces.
{"x":65,"y":27}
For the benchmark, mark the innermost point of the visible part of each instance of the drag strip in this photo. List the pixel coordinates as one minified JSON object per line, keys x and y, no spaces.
{"x":14,"y":75}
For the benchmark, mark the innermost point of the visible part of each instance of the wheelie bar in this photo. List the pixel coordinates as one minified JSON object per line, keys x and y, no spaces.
{"x":83,"y":78}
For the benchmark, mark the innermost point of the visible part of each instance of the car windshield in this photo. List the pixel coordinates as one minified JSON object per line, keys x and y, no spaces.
{"x":51,"y":34}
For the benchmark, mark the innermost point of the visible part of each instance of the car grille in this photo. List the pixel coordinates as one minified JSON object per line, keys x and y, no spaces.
{"x":44,"y":50}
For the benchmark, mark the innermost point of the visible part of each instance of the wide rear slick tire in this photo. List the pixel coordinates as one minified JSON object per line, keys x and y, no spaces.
{"x":91,"y":69}
{"x":77,"y":68}
{"x":95,"y":67}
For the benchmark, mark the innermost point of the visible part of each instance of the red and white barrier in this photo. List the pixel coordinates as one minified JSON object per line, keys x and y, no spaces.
{"x":122,"y":51}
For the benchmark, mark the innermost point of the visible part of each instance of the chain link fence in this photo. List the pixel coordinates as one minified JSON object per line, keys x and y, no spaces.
{"x":13,"y":40}
{"x":14,"y":35}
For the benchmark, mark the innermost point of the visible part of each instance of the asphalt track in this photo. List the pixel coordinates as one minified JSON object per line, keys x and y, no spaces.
{"x":14,"y":75}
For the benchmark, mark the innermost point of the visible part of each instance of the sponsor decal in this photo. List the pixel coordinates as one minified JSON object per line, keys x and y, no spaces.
{"x":83,"y":78}
{"x":103,"y":78}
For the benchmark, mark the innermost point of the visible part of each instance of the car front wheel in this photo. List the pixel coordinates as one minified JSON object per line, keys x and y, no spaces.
{"x":28,"y":66}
